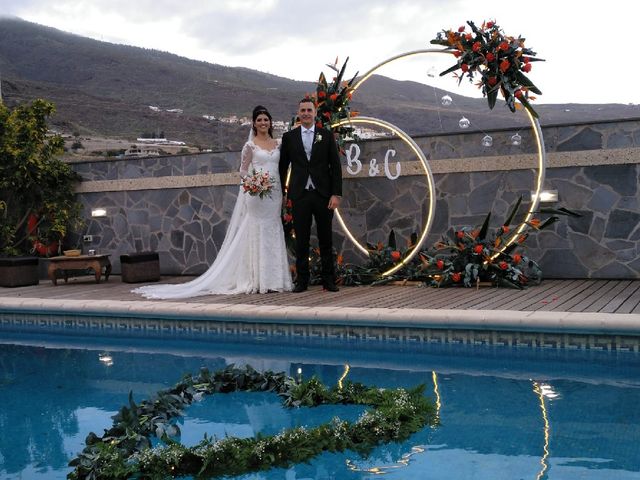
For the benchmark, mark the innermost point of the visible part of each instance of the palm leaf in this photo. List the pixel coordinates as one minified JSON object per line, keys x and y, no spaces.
{"x":549,"y":221}
{"x":492,"y":96}
{"x":485,"y":227}
{"x":560,"y":211}
{"x":392,"y":240}
{"x":450,"y":69}
{"x":514,"y":210}
{"x":524,"y":81}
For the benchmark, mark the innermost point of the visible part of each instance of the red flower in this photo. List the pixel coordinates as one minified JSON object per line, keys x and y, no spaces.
{"x":503,"y":46}
{"x":526,"y":68}
{"x":461,"y":29}
{"x":289,"y":203}
{"x":490,"y":24}
{"x":464,"y":67}
{"x":322,"y":94}
{"x":518,"y":93}
{"x":492,"y":81}
{"x":504,"y":65}
{"x":505,"y":229}
{"x":339,"y":259}
{"x":522,"y":238}
{"x":455,"y":277}
{"x":327,"y":114}
{"x":478,"y":249}
{"x":490,"y":57}
{"x":440,"y":264}
{"x":333,"y":96}
{"x":517,"y":258}
{"x":503,"y":265}
{"x":395,"y":255}
{"x":476,"y":47}
{"x":457,"y":53}
{"x":287,"y":217}
{"x":525,"y":59}
{"x":460,"y":234}
{"x":318,"y":124}
{"x":468,"y":36}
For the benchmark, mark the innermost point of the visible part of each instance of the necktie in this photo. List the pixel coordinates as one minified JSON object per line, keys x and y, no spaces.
{"x":307,"y":136}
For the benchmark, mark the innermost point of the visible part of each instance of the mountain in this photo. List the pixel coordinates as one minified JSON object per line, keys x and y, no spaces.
{"x":104,"y":89}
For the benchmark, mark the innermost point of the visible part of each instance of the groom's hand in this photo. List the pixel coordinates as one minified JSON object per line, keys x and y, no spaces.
{"x":334,"y":202}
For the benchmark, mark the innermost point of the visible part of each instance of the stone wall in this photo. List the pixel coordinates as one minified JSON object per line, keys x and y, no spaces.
{"x":179,"y":205}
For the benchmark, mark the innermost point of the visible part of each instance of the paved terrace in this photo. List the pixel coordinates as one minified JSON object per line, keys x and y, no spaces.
{"x":596,"y":307}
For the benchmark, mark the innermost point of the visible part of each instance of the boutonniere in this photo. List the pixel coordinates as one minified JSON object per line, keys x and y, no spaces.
{"x":318,"y":138}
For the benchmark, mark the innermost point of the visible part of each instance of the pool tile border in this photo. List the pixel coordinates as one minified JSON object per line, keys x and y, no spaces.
{"x":550,"y":330}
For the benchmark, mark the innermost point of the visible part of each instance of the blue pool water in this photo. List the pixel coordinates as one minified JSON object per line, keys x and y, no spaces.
{"x":505,"y":413}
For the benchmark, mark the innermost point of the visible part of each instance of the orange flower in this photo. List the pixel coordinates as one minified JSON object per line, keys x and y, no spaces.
{"x":478,"y":249}
{"x":395,"y":255}
{"x":354,"y":114}
{"x":460,"y":234}
{"x":333,"y":96}
{"x":522,"y":238}
{"x":339,"y":260}
{"x":504,"y":65}
{"x":322,"y":94}
{"x":517,"y":258}
{"x":534,"y":222}
{"x":505,"y":229}
{"x":456,"y":277}
{"x":503,"y":265}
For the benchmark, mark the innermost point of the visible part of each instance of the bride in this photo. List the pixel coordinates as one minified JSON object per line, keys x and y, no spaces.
{"x":253,"y":256}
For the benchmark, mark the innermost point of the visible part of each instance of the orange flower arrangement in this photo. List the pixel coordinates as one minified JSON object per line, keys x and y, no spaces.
{"x":500,"y":60}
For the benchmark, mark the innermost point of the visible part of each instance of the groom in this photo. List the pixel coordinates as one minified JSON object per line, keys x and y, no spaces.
{"x":315,"y":188}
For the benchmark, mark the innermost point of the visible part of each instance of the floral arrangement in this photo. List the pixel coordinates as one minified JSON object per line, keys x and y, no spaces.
{"x":500,"y":60}
{"x":464,"y":257}
{"x":125,"y":450}
{"x":332,"y":103}
{"x":258,"y":183}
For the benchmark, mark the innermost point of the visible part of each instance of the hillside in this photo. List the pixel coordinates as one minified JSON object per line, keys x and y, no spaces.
{"x":103,"y":89}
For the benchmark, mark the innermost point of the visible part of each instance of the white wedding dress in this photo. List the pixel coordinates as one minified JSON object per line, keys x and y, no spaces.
{"x":253,"y":255}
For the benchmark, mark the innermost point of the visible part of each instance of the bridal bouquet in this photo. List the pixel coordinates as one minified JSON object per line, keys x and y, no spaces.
{"x":258,"y":183}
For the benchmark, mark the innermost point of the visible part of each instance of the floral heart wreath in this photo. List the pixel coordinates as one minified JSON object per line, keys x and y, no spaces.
{"x":125,"y":450}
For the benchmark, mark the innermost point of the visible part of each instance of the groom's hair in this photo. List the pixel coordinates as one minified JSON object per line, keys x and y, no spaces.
{"x":308,"y":100}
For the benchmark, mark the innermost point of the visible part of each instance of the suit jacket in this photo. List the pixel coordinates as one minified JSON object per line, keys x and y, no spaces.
{"x":323,"y":167}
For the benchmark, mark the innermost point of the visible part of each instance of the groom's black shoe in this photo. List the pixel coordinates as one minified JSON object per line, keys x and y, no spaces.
{"x":299,"y":288}
{"x":330,"y":287}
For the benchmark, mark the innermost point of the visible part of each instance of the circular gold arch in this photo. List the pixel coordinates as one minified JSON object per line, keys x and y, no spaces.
{"x":541,"y":157}
{"x":430,"y":182}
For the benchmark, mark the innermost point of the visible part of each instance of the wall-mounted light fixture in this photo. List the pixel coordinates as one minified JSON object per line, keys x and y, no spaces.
{"x":98,"y":212}
{"x":546,"y":196}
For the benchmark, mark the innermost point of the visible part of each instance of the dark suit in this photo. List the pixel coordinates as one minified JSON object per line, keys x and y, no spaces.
{"x":326,"y":175}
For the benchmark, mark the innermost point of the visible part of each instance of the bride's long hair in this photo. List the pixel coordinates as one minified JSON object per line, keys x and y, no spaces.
{"x":260,"y":110}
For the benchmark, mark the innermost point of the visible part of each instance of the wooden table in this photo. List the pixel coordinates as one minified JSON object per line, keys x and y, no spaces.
{"x":67,"y":265}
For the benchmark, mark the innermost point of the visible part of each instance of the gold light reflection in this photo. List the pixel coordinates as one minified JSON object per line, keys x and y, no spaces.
{"x":406,"y":458}
{"x":430,"y":182}
{"x":545,"y":418}
{"x":344,"y":375}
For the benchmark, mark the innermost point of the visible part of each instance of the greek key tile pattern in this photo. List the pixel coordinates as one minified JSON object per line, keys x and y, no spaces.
{"x":301,"y":334}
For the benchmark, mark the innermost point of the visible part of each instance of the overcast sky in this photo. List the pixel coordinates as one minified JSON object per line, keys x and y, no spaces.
{"x":590,"y":49}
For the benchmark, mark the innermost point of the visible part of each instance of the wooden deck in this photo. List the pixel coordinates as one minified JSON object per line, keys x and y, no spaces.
{"x":600,"y":296}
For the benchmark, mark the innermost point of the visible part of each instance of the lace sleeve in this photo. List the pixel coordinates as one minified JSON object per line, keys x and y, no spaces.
{"x":245,"y":159}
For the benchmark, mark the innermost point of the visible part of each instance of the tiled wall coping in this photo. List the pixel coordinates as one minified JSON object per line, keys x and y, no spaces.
{"x":617,"y":156}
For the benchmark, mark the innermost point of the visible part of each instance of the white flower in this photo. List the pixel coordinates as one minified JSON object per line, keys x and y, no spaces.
{"x":318,"y":138}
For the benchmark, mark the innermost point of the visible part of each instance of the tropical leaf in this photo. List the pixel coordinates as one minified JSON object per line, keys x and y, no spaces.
{"x":485,"y":227}
{"x":450,"y":69}
{"x":392,"y":240}
{"x":559,"y":211}
{"x":492,"y":96}
{"x":525,"y":82}
{"x":513,"y":212}
{"x":548,"y":222}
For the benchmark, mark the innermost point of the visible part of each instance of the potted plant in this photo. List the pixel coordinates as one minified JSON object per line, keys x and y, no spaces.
{"x":37,"y":198}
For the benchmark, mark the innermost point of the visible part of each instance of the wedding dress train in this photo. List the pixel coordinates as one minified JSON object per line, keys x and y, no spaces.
{"x":253,"y":256}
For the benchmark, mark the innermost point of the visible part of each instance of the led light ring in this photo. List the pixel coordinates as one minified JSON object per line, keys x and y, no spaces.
{"x":535,"y":126}
{"x":430,"y":182}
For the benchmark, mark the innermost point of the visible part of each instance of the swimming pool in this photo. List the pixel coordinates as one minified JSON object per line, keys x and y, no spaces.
{"x":506,"y":413}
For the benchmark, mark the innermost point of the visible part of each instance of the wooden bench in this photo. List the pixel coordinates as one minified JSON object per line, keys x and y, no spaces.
{"x":69,"y":266}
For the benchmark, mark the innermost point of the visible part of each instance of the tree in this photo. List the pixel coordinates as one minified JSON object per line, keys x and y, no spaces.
{"x":37,"y":200}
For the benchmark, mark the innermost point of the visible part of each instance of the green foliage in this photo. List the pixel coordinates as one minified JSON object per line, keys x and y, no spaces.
{"x":33,"y":181}
{"x":124,"y":451}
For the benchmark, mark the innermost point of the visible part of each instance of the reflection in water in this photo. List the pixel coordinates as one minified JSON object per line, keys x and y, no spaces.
{"x":50,"y":398}
{"x":541,"y":390}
